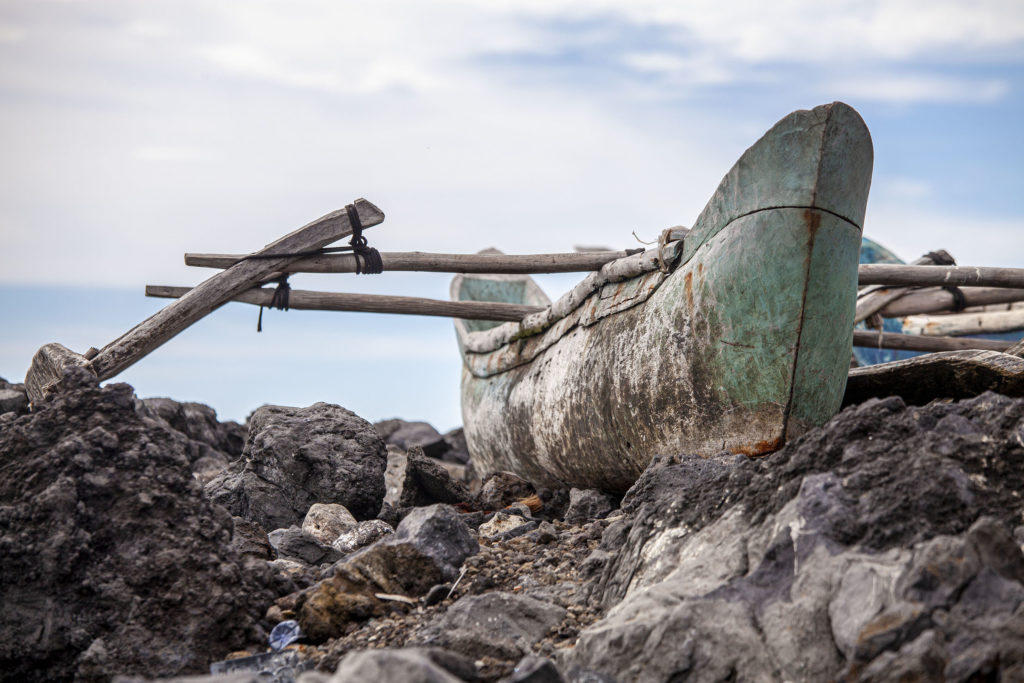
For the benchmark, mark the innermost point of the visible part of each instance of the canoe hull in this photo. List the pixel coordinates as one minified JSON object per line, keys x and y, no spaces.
{"x":744,"y":344}
{"x":692,"y":370}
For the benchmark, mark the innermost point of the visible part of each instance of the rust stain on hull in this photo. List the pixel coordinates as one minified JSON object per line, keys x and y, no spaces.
{"x":758,"y":447}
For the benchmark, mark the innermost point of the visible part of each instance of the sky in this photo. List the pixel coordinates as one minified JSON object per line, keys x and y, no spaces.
{"x":133,"y":132}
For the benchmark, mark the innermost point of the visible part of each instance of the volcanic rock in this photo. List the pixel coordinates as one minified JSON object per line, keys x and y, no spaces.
{"x":409,"y":665}
{"x":458,"y":450}
{"x":113,"y":559}
{"x":327,"y":521}
{"x":210,"y":444}
{"x":361,"y":535}
{"x":496,"y":624}
{"x":13,"y":401}
{"x":426,"y":482}
{"x":409,"y":435}
{"x":880,"y":543}
{"x":295,"y":457}
{"x":588,"y":504}
{"x":294,"y":543}
{"x":427,"y":548}
{"x":534,"y":669}
{"x":502,"y":489}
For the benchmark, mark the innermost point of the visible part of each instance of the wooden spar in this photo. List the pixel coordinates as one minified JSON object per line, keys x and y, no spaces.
{"x":933,"y":300}
{"x":923,"y":276}
{"x":371,"y":303}
{"x":871,"y":300}
{"x":958,"y":325}
{"x":434,"y":263}
{"x":135,"y":344}
{"x":913,"y":342}
{"x":913,"y":275}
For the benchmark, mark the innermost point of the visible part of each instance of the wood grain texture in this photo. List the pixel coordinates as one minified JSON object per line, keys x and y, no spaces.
{"x":914,"y":342}
{"x":435,"y":263}
{"x":872,"y":299}
{"x":959,"y":325}
{"x":48,"y":365}
{"x":922,"y":276}
{"x":212,"y":293}
{"x":934,"y":300}
{"x":950,"y":374}
{"x":370,"y":303}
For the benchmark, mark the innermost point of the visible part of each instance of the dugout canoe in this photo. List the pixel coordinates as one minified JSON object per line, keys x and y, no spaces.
{"x":735,"y":338}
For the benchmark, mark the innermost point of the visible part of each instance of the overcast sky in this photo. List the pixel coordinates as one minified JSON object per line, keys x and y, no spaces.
{"x":135,"y":131}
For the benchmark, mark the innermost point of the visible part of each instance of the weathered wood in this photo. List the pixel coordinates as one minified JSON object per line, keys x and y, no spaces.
{"x":934,"y":300}
{"x":48,"y":365}
{"x":743,"y":345}
{"x":923,"y":276}
{"x":914,"y":342}
{"x":212,"y":293}
{"x":209,"y":295}
{"x":370,"y":303}
{"x":434,"y":263}
{"x":959,"y":325}
{"x":950,"y":374}
{"x":872,"y":299}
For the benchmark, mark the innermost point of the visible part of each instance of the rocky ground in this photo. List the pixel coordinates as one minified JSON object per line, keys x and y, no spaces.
{"x":144,"y":539}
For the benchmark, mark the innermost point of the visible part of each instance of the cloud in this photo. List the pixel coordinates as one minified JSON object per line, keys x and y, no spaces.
{"x":914,"y":88}
{"x":161,"y":153}
{"x":10,"y":33}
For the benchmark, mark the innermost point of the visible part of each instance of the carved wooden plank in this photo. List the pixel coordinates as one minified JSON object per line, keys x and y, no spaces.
{"x":933,"y":300}
{"x":923,"y":276}
{"x":371,"y":303}
{"x":435,"y":263}
{"x":209,"y":295}
{"x":914,"y":342}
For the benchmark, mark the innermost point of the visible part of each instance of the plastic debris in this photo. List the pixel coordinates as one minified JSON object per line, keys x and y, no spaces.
{"x":284,"y":634}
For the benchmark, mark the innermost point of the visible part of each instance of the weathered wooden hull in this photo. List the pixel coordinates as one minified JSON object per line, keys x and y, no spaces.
{"x":744,"y":344}
{"x":948,"y":374}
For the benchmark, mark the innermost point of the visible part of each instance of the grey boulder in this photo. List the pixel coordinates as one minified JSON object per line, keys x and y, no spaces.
{"x":406,"y":665}
{"x":588,"y":504}
{"x":295,"y":457}
{"x":501,"y":625}
{"x":297,"y":544}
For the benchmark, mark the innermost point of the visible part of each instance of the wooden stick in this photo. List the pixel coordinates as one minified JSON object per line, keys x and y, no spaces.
{"x":872,"y":299}
{"x":371,"y":303}
{"x":958,"y":325}
{"x":933,"y":300}
{"x":434,"y":263}
{"x":911,"y":342}
{"x":201,"y":300}
{"x":923,"y":276}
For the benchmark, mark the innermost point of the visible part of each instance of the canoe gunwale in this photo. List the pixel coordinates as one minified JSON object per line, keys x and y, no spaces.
{"x":620,"y":270}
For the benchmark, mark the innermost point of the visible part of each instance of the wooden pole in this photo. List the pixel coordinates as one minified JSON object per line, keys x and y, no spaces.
{"x":933,"y":300}
{"x":959,"y":325}
{"x":872,"y":299}
{"x":435,"y":263}
{"x":912,"y":342}
{"x":925,"y":276}
{"x":48,"y":363}
{"x":371,"y":303}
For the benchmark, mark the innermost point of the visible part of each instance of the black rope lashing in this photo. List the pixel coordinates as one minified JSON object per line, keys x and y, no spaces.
{"x":942,"y":258}
{"x":368,"y":260}
{"x":279,"y":300}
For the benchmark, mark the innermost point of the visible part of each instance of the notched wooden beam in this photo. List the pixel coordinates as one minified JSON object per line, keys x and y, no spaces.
{"x":48,"y":369}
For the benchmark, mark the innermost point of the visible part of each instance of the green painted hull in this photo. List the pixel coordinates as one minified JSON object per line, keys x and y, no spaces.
{"x":746,"y":343}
